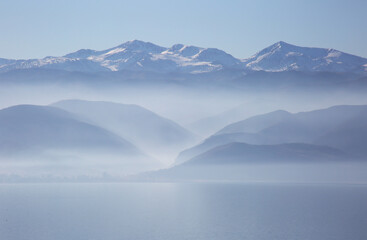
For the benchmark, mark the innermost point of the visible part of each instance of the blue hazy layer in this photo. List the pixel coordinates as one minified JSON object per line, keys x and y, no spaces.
{"x":182,"y":211}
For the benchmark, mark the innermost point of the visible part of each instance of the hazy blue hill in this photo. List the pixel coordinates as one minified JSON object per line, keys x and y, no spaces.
{"x":44,"y":140}
{"x":144,"y":128}
{"x":351,"y":136}
{"x":241,"y":153}
{"x":342,"y":127}
{"x":217,"y":140}
{"x":248,"y":162}
{"x":310,"y":126}
{"x":257,"y":123}
{"x":280,"y":126}
{"x":30,"y":127}
{"x":212,"y":124}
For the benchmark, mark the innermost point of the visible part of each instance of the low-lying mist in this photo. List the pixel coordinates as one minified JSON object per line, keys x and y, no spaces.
{"x":163,"y":122}
{"x":349,"y":173}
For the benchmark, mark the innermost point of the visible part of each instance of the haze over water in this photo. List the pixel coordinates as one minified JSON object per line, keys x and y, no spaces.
{"x":175,"y":211}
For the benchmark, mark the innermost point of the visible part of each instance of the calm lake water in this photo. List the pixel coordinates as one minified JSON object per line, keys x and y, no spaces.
{"x":176,"y":211}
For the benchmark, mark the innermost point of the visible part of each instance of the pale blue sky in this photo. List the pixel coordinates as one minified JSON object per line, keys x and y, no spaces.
{"x":38,"y":28}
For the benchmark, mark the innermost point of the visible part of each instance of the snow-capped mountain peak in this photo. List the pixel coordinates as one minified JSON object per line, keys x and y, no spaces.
{"x":138,"y":55}
{"x":82,"y":53}
{"x":184,"y":50}
{"x":283,"y":56}
{"x":141,"y":46}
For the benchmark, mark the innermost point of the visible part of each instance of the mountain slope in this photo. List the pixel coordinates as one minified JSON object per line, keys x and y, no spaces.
{"x":310,"y":126}
{"x":245,"y":162}
{"x":215,"y":141}
{"x":341,"y":127}
{"x":257,"y":123}
{"x":27,"y":127}
{"x":350,"y":136}
{"x":147,"y":130}
{"x":241,"y":153}
{"x":48,"y":140}
{"x":320,"y":121}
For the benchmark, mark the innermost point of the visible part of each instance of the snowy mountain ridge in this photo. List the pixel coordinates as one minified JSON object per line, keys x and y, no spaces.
{"x":282,"y":56}
{"x":145,"y":56}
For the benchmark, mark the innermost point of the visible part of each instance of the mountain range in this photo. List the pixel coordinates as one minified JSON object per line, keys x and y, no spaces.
{"x":339,"y":127}
{"x":78,"y":135}
{"x":145,"y":56}
{"x":276,"y":146}
{"x":210,"y":92}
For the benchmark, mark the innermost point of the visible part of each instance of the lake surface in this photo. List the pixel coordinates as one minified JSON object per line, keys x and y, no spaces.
{"x":178,"y":211}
